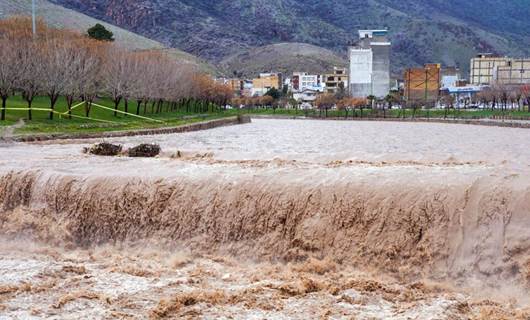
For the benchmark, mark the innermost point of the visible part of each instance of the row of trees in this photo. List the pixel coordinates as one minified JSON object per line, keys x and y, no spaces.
{"x":63,"y":63}
{"x":504,"y":97}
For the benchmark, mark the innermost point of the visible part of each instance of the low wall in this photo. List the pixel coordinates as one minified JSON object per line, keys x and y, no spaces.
{"x":485,"y":122}
{"x":204,"y":125}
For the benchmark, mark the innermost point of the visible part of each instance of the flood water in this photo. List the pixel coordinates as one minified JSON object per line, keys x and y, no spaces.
{"x":276,"y":219}
{"x":305,"y":140}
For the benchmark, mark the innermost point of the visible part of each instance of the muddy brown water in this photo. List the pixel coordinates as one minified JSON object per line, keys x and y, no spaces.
{"x":438,"y":212}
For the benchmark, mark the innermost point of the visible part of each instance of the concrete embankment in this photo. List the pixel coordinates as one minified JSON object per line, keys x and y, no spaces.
{"x":525,"y":124}
{"x":204,"y":125}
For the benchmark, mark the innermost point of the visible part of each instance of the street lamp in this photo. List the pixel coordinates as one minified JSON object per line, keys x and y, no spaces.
{"x":34,"y":26}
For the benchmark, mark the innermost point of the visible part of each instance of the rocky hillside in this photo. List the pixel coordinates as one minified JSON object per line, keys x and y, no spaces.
{"x":448,"y":31}
{"x":282,"y":57}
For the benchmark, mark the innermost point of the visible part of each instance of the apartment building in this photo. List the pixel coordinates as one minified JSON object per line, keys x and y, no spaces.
{"x":483,"y":68}
{"x":335,"y":80}
{"x":265,"y":82}
{"x":302,"y":81}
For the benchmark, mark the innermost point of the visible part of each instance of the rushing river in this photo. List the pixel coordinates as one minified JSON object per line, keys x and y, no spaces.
{"x":274,"y":219}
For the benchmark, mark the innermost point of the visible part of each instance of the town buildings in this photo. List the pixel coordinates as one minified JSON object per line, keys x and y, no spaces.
{"x":265,"y":82}
{"x":302,"y":81}
{"x":450,"y":77}
{"x":515,"y":72}
{"x":422,"y":85}
{"x":370,"y":64}
{"x":306,"y":96}
{"x":235,"y":84}
{"x":336,"y":80}
{"x":483,"y":67}
{"x":487,"y":69}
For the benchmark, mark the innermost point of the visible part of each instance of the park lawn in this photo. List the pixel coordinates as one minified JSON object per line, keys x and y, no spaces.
{"x":102,"y":120}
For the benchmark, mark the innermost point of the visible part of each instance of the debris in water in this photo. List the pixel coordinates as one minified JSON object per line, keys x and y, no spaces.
{"x":104,"y":149}
{"x":145,"y":151}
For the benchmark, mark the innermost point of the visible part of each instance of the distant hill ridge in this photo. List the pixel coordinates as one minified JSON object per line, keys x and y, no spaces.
{"x":446,"y":31}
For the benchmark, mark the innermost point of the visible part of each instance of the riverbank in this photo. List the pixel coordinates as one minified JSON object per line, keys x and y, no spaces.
{"x":192,"y":125}
{"x":524,"y":124}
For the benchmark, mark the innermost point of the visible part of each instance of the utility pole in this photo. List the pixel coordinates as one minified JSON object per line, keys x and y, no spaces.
{"x":34,"y":26}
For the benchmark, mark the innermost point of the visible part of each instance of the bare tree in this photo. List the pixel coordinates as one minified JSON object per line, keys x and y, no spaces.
{"x":30,"y":70}
{"x":325,"y":102}
{"x":8,"y":72}
{"x":90,"y":61}
{"x":115,"y":74}
{"x":54,"y":77}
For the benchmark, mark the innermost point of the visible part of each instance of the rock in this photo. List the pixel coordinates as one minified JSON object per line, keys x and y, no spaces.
{"x":145,"y":151}
{"x":104,"y":149}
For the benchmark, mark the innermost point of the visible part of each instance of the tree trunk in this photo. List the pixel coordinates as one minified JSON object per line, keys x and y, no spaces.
{"x":87,"y":109}
{"x":126,"y":101}
{"x":3,"y":112}
{"x":69,"y":102}
{"x":116,"y":105}
{"x":138,"y":105}
{"x":53,"y":101}
{"x":30,"y":102}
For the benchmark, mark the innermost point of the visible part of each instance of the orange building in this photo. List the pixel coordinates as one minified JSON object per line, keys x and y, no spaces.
{"x":422,"y":85}
{"x":235,"y":84}
{"x":265,"y":82}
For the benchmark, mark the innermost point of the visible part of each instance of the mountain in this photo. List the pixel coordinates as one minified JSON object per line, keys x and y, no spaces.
{"x":61,"y":17}
{"x":282,"y":57}
{"x":446,"y":31}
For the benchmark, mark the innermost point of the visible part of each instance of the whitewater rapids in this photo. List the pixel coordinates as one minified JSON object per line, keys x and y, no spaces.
{"x":410,"y":201}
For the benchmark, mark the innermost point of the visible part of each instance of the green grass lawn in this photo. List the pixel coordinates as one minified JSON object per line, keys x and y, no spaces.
{"x":102,"y":120}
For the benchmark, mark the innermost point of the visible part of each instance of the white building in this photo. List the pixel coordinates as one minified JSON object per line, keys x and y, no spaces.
{"x":302,"y":81}
{"x":370,"y":64}
{"x":306,"y":96}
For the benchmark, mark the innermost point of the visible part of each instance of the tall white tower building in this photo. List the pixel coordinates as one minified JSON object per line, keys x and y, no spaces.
{"x":370,"y":64}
